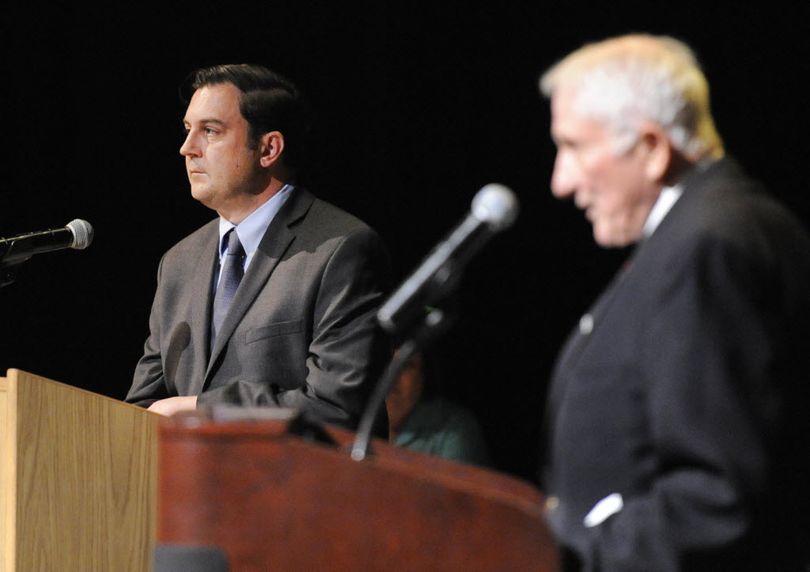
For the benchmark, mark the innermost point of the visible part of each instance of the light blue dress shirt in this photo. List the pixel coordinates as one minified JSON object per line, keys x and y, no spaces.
{"x":251,"y":230}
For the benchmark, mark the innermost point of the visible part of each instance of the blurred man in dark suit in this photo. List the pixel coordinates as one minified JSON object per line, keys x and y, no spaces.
{"x":678,"y":411}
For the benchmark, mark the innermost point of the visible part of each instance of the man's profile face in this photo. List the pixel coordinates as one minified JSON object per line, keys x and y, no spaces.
{"x":610,"y":187}
{"x":221,"y":168}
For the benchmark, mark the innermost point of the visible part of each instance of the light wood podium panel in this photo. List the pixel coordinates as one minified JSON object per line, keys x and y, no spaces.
{"x":78,"y":479}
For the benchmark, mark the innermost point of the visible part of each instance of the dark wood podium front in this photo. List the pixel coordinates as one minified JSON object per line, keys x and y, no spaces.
{"x":284,"y":495}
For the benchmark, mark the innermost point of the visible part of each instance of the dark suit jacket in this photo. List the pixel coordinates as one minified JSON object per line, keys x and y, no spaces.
{"x":684,"y":390}
{"x":301,"y":331}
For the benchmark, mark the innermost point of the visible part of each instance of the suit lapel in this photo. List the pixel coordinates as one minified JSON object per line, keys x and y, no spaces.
{"x":201,"y":285}
{"x":274,"y":244}
{"x":592,"y":319}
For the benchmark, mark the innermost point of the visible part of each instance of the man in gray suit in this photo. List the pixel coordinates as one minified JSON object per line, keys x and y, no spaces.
{"x":272,"y":303}
{"x":678,"y":413}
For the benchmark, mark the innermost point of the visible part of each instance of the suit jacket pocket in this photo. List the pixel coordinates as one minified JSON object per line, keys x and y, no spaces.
{"x":276,"y":329}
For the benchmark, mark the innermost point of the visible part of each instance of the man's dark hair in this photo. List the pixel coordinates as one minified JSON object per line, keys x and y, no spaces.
{"x":268,"y":102}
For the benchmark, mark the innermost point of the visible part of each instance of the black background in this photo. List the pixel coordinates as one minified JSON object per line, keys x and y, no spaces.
{"x":418,"y":105}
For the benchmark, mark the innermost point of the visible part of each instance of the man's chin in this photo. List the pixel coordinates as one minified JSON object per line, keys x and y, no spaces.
{"x":611,"y":238}
{"x":200,"y":193}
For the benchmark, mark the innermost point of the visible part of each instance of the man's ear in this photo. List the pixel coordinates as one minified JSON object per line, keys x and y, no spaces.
{"x":655,"y":143}
{"x":271,"y":146}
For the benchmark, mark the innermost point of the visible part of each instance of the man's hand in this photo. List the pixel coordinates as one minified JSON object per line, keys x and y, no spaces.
{"x":172,"y":405}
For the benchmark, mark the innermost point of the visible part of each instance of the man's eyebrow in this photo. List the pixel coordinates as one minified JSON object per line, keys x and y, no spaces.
{"x":206,"y":121}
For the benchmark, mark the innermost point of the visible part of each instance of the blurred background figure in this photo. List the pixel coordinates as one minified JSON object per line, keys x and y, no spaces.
{"x":421,"y":418}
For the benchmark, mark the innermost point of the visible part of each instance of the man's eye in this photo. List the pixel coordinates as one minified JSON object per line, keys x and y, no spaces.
{"x":210,"y":131}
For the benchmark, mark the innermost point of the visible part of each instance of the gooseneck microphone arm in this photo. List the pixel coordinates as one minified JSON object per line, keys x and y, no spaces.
{"x":410,"y":313}
{"x":494,"y":208}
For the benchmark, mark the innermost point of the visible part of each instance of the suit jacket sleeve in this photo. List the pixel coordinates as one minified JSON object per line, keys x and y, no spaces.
{"x":149,"y":381}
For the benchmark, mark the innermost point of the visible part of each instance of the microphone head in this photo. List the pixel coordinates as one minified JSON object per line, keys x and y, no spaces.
{"x":82,"y":233}
{"x":496,"y":206}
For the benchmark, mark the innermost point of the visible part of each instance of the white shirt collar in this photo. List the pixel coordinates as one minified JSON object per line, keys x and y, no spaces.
{"x":666,"y":200}
{"x":251,"y":230}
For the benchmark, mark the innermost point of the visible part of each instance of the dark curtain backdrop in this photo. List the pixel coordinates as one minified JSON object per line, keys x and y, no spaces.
{"x":418,"y":105}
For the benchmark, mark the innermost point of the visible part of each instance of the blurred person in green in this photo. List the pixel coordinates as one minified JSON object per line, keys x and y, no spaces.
{"x":422,"y":419}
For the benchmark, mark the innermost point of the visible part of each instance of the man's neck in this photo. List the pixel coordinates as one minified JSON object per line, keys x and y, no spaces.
{"x":679,"y":166}
{"x":250,"y":202}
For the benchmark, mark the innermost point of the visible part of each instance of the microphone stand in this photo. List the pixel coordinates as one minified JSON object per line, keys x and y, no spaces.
{"x":428,"y":329}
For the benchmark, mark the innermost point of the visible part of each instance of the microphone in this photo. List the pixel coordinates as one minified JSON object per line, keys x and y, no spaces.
{"x":494,"y":208}
{"x":78,"y":234}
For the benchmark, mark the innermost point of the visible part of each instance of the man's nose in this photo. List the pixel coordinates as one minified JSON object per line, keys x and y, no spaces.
{"x":189,"y":148}
{"x":564,"y":177}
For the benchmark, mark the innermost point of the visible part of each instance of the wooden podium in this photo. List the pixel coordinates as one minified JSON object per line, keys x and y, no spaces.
{"x":77,"y":479}
{"x":79,"y":492}
{"x":285,"y":495}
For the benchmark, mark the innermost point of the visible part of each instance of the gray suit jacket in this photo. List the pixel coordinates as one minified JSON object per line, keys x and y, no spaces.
{"x":685,"y":391}
{"x":301,"y":331}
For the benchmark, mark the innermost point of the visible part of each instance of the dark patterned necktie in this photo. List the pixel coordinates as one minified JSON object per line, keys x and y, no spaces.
{"x":231,"y":272}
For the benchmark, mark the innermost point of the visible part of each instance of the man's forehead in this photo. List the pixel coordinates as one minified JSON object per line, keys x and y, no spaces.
{"x":568,"y":121}
{"x":218,"y":102}
{"x":565,"y":102}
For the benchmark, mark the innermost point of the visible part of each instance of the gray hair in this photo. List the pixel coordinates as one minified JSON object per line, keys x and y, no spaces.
{"x":628,"y":79}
